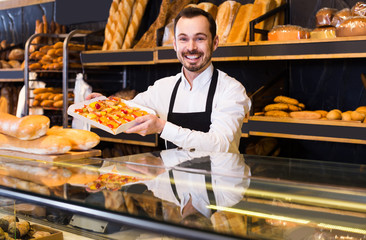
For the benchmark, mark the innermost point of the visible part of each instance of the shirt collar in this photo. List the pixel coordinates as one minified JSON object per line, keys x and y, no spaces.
{"x":200,"y":80}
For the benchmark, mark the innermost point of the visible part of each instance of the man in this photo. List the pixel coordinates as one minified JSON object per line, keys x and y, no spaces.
{"x":201,"y":107}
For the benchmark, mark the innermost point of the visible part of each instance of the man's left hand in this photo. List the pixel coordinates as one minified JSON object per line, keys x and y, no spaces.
{"x":147,"y":124}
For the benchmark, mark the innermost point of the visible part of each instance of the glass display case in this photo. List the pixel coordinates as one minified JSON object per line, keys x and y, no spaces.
{"x":186,"y":194}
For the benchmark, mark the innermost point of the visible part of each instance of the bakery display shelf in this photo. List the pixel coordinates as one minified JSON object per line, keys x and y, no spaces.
{"x":11,"y":75}
{"x":342,"y":47}
{"x":318,"y":130}
{"x":7,"y":4}
{"x":135,"y":139}
{"x":117,"y":57}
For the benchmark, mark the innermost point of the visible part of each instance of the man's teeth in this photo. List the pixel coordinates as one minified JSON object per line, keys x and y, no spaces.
{"x":192,"y":57}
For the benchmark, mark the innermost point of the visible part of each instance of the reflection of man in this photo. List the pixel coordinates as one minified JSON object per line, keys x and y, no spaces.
{"x":205,"y":179}
{"x":201,"y":107}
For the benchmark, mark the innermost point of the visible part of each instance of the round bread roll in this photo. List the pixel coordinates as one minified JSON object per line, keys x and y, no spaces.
{"x":353,"y":26}
{"x":361,"y":109}
{"x":357,"y":116}
{"x":16,"y":54}
{"x":334,"y":114}
{"x":346,"y":116}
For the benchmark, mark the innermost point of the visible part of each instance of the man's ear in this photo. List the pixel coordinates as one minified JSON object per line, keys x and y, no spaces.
{"x":174,"y":44}
{"x":215,"y":43}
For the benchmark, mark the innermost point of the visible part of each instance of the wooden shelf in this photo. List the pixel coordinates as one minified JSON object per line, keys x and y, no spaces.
{"x":318,"y":130}
{"x":343,"y":47}
{"x":120,"y":57}
{"x":7,"y":4}
{"x":11,"y":75}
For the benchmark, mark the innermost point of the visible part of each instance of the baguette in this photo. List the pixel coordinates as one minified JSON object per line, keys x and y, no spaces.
{"x":240,"y":26}
{"x":110,"y":26}
{"x":122,"y":18}
{"x":79,"y":139}
{"x":226,"y":14}
{"x":25,"y":128}
{"x":44,"y":145}
{"x":137,"y":14}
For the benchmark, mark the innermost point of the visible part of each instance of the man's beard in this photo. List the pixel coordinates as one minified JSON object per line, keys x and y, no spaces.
{"x":194,"y":67}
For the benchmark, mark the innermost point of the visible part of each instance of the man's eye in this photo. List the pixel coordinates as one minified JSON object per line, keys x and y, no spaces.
{"x":183,"y":39}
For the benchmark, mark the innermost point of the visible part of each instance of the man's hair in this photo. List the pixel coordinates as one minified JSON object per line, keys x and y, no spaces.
{"x":191,"y":12}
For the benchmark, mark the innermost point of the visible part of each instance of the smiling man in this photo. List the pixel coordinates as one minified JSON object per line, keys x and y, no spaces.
{"x":200,"y":107}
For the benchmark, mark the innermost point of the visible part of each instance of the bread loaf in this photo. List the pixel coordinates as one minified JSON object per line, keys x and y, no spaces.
{"x":260,"y":7}
{"x":340,"y":16}
{"x":110,"y":27}
{"x":43,"y":145}
{"x":209,"y":7}
{"x":226,"y":14}
{"x":324,"y":16}
{"x":323,"y":33}
{"x":280,"y":17}
{"x":286,"y":33}
{"x":122,"y":19}
{"x":137,"y":14}
{"x":359,"y":9}
{"x":352,"y":26}
{"x":39,"y":174}
{"x":25,"y":128}
{"x":240,"y":26}
{"x":305,"y":115}
{"x":79,"y":139}
{"x":168,"y":11}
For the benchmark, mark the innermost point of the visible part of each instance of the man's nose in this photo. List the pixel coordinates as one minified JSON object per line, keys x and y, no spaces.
{"x":192,"y":45}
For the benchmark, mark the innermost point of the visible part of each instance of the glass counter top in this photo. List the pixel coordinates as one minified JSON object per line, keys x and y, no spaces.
{"x":217,"y":194}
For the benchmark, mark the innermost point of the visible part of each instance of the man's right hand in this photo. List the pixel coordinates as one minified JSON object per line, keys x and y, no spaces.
{"x":93,"y":95}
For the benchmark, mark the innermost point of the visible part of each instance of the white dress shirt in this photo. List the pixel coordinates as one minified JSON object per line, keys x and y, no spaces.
{"x":230,"y":104}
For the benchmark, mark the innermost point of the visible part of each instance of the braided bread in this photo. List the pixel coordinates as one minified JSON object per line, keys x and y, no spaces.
{"x":137,"y":13}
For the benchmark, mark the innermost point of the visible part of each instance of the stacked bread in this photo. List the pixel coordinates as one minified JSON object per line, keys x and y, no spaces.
{"x":49,"y":97}
{"x":50,"y":57}
{"x":282,"y":106}
{"x":123,"y":23}
{"x":31,"y":134}
{"x":42,"y":26}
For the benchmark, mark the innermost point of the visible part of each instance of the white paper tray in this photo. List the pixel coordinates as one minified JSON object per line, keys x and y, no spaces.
{"x":120,"y":129}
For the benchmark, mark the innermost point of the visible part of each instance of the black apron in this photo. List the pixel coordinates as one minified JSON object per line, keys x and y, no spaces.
{"x":198,"y":121}
{"x":202,"y":163}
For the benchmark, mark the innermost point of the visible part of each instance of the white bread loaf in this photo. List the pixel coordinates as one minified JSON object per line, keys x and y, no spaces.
{"x":137,"y":14}
{"x":44,"y":145}
{"x":110,"y":27}
{"x":261,"y":7}
{"x":122,"y":17}
{"x":226,"y":14}
{"x":209,"y":7}
{"x":79,"y":139}
{"x":25,"y":128}
{"x":241,"y":24}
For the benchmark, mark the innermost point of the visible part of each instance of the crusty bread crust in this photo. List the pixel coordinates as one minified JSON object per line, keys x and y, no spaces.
{"x":25,"y":128}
